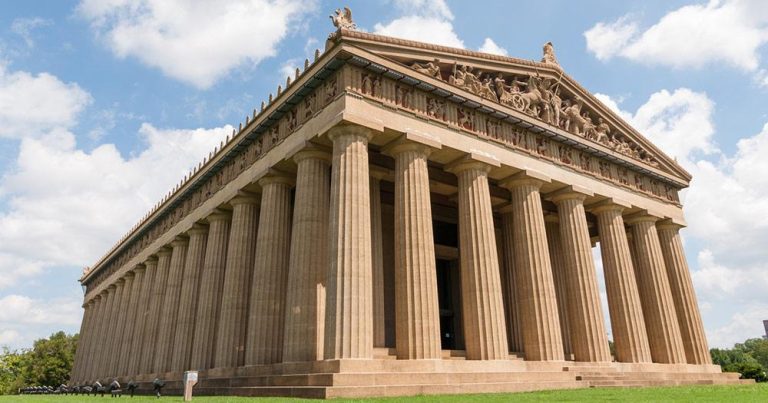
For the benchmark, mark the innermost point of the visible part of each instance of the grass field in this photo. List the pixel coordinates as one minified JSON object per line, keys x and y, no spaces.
{"x":743,"y":393}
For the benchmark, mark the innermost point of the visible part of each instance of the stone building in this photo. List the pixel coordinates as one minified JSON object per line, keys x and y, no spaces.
{"x":405,"y":218}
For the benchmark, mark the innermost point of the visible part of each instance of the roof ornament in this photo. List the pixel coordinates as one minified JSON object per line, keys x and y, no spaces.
{"x":549,"y":54}
{"x":343,"y":19}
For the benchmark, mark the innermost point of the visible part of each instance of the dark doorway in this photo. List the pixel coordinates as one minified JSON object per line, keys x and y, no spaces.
{"x":447,"y":296}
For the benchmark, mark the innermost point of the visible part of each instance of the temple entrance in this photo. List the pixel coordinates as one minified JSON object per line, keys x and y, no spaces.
{"x":448,"y":295}
{"x":448,"y":285}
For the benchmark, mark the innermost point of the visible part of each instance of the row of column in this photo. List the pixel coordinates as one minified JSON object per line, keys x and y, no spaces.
{"x":275,"y":282}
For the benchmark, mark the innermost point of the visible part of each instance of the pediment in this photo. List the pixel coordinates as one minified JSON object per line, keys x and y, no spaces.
{"x":541,"y":92}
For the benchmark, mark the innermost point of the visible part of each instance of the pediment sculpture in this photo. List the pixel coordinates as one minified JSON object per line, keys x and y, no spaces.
{"x":539,"y":97}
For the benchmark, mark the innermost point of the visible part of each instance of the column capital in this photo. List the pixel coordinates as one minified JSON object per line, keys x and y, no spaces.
{"x":610,"y":204}
{"x":642,"y":216}
{"x":139,"y":268}
{"x":312,"y":151}
{"x":570,"y":192}
{"x":180,"y":240}
{"x":164,"y":251}
{"x":110,"y":288}
{"x":198,"y":228}
{"x":218,"y":215}
{"x":150,"y":259}
{"x":471,"y":162}
{"x":360,"y":132}
{"x":243,"y":197}
{"x":277,"y":177}
{"x":412,"y":142}
{"x":127,"y":275}
{"x":525,"y":177}
{"x":669,"y":224}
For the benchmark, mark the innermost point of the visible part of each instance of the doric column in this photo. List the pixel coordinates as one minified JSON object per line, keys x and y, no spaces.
{"x":417,"y":330}
{"x":515,"y":335}
{"x":627,"y":323}
{"x":151,"y":348}
{"x":134,"y":327}
{"x":377,"y":253}
{"x":264,"y":344}
{"x":94,"y":351}
{"x":589,"y":340}
{"x":124,"y":326}
{"x":211,"y":286}
{"x":82,"y":344}
{"x":686,"y":307}
{"x":349,"y":299}
{"x":143,"y":349}
{"x":305,"y":295}
{"x":655,"y":294}
{"x":170,"y":311}
{"x":108,"y":356}
{"x":485,"y":335}
{"x":185,"y":325}
{"x":535,"y":285}
{"x":230,"y":341}
{"x":557,"y":258}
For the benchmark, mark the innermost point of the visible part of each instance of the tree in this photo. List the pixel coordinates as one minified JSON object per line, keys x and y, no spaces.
{"x":750,"y":359}
{"x":48,"y":363}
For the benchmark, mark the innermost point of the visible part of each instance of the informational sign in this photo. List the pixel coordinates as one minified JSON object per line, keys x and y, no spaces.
{"x":190,"y":380}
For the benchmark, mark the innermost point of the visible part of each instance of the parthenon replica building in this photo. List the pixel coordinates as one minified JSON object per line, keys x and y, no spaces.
{"x":402,"y":218}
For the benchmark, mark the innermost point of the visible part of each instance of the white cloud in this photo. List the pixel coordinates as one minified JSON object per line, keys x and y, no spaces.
{"x":748,"y":323}
{"x":424,"y":21}
{"x":729,"y":32}
{"x":607,"y":40}
{"x":195,"y":42}
{"x":24,"y":27}
{"x":25,"y":319}
{"x":489,"y":46}
{"x":32,"y":105}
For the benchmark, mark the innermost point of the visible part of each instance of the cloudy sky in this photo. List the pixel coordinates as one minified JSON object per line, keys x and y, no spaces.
{"x":106,"y":104}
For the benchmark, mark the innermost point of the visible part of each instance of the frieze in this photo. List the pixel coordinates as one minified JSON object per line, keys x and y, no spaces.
{"x":410,"y":99}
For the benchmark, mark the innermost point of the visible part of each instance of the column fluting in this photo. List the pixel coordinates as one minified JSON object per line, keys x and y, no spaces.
{"x":233,"y":320}
{"x":125,"y":332}
{"x":151,"y":347}
{"x":627,"y":323}
{"x":133,"y":327}
{"x":377,"y":252}
{"x":143,"y":348}
{"x":98,"y":337}
{"x":211,"y":286}
{"x":557,"y":258}
{"x":515,"y":334}
{"x":170,"y":310}
{"x":535,"y":285}
{"x":655,"y":294}
{"x":108,"y":356}
{"x":686,"y":306}
{"x":349,"y":295}
{"x":305,"y":295}
{"x":264,"y":344}
{"x":190,"y":287}
{"x":485,"y":334}
{"x":417,"y":328}
{"x":586,"y":323}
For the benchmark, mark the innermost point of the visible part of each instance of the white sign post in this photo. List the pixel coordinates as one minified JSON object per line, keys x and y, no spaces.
{"x":190,"y":380}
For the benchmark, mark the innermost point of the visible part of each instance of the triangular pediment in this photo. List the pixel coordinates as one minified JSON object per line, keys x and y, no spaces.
{"x":541,"y":92}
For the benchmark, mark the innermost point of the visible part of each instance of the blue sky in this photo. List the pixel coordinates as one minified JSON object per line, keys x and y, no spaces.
{"x":104,"y":105}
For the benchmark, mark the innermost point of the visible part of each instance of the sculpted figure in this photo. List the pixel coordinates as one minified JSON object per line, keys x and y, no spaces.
{"x":589,"y":127}
{"x":602,"y":131}
{"x":458,"y":75}
{"x":367,"y":84}
{"x":430,"y":69}
{"x":465,"y":120}
{"x":486,"y":91}
{"x":503,"y":91}
{"x":529,"y":101}
{"x":435,"y":108}
{"x":343,"y":19}
{"x":574,"y":122}
{"x":377,"y":87}
{"x":549,"y":54}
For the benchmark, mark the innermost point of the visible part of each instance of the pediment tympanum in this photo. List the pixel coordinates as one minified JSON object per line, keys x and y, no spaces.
{"x":541,"y":91}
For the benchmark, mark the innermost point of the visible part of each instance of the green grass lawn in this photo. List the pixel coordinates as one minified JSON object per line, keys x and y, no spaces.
{"x":742,"y":393}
